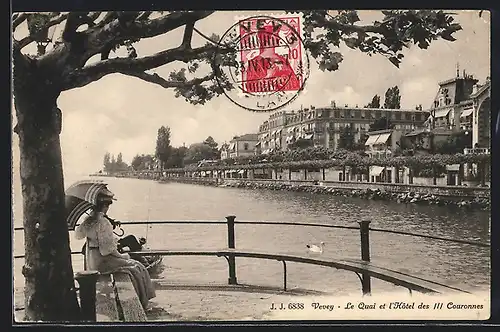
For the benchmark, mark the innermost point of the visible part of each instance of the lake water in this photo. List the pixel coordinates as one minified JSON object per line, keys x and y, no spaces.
{"x":456,"y":264}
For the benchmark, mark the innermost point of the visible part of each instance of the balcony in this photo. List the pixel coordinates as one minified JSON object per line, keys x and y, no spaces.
{"x":476,"y":151}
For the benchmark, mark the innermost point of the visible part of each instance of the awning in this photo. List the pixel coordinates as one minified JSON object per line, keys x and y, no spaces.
{"x":231,"y":146}
{"x":310,"y":136}
{"x":277,"y":140}
{"x":382,"y":139}
{"x":265,"y":151}
{"x":441,"y":113}
{"x":278,"y":131}
{"x":414,"y":133}
{"x":376,"y":170}
{"x":466,"y":112}
{"x":258,"y":143}
{"x":371,"y":139}
{"x":291,"y":129}
{"x":274,"y":132}
{"x":241,"y":171}
{"x":454,"y":167}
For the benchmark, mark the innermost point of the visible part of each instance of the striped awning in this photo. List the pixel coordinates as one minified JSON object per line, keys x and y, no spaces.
{"x":441,"y":113}
{"x":382,"y":138}
{"x":371,"y":139}
{"x":231,"y":146}
{"x":376,"y":170}
{"x":466,"y":112}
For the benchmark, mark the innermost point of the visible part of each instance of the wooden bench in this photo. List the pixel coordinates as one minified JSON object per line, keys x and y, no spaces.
{"x":116,"y":299}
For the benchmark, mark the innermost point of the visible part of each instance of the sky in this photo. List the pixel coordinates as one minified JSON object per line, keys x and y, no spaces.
{"x":122,"y":114}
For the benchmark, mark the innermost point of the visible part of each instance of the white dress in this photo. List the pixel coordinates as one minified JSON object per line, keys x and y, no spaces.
{"x":102,"y":255}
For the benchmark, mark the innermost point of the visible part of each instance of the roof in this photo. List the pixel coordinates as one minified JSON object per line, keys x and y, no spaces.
{"x":246,"y":137}
{"x":481,"y":89}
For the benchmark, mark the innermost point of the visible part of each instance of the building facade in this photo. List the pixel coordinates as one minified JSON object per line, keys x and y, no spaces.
{"x":461,"y":104}
{"x":240,"y":146}
{"x":324,"y":126}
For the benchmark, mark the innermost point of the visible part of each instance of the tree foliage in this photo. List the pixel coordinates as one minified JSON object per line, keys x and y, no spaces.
{"x":198,"y":152}
{"x":142,"y":162}
{"x":319,"y":157}
{"x":177,"y":157}
{"x":163,"y":148}
{"x":381,"y":124}
{"x":392,"y":98}
{"x":346,"y":138}
{"x":375,"y":103}
{"x":112,"y":164}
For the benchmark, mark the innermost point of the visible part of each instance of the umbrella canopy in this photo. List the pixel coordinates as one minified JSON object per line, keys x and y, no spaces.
{"x":82,"y":196}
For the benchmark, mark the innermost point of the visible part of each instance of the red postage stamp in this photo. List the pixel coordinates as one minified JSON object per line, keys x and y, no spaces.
{"x":270,"y":54}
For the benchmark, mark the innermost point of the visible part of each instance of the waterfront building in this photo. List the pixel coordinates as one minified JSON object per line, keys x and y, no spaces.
{"x":422,"y":141}
{"x":240,"y":146}
{"x":383,"y":143}
{"x":461,"y":104}
{"x":324,"y":126}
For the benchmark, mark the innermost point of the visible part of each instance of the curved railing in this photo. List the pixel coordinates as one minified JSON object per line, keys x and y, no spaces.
{"x":362,"y":268}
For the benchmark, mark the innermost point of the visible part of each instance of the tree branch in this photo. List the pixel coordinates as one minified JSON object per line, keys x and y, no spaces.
{"x":31,"y":38}
{"x":188,"y":35}
{"x":144,"y":16}
{"x":16,"y":21}
{"x":157,"y":79}
{"x":113,"y":33}
{"x":83,"y":76}
{"x":75,"y":19}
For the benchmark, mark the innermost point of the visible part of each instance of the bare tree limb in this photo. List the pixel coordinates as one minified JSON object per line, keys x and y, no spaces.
{"x":144,"y":16}
{"x":75,"y":19}
{"x":110,"y":16}
{"x":16,"y":21}
{"x":113,"y":33}
{"x":31,"y":38}
{"x":157,"y":79}
{"x":82,"y":76}
{"x":188,"y":35}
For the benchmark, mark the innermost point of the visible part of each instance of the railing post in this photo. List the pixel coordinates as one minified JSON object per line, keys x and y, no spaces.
{"x":364,"y":227}
{"x":87,"y":284}
{"x":230,"y":243}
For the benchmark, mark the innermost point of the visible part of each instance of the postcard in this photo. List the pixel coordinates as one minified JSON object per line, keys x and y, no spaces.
{"x":228,"y":166}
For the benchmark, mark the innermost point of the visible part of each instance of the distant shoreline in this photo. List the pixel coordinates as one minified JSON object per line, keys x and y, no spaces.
{"x":463,"y":197}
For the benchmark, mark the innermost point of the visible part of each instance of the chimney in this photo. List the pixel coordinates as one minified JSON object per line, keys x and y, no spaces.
{"x":474,"y":88}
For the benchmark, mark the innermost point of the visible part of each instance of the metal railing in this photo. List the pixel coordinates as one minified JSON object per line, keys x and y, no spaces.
{"x":87,"y":292}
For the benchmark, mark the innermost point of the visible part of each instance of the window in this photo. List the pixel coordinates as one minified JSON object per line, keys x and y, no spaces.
{"x":397,"y":115}
{"x":336,"y":114}
{"x":418,"y":117}
{"x":362,"y":114}
{"x":407,"y":116}
{"x":357,"y":114}
{"x":245,"y":146}
{"x":378,"y":114}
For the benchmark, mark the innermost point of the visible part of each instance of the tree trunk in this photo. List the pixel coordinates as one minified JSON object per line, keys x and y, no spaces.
{"x":50,"y":293}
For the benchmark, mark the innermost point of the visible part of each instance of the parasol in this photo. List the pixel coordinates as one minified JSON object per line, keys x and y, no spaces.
{"x":82,"y":196}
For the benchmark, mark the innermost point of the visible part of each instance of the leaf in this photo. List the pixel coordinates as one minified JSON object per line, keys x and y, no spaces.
{"x":395,"y":61}
{"x":351,"y":42}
